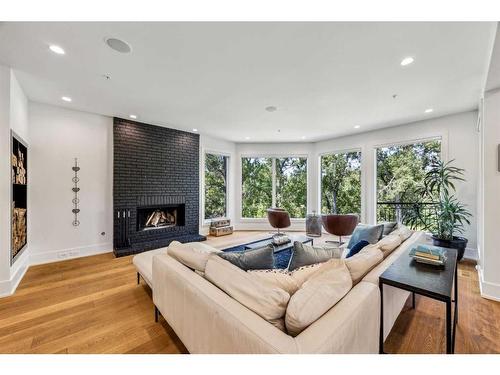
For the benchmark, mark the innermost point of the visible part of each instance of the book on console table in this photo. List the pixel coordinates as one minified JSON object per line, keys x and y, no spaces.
{"x":428,"y":254}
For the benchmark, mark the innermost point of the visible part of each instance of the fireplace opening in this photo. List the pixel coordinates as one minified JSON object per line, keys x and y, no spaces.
{"x":159,"y":217}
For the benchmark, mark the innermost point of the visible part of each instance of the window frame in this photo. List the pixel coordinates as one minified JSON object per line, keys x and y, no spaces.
{"x":273,"y":158}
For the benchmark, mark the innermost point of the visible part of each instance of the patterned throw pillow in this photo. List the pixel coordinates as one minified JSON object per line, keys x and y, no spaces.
{"x":256,"y":259}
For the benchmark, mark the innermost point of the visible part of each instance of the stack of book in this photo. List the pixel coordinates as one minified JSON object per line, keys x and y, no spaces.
{"x":429,"y":254}
{"x":220,"y":227}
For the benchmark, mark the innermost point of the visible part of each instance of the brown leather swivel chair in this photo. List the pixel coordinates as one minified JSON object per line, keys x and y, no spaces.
{"x":340,"y":225}
{"x":278,"y":218}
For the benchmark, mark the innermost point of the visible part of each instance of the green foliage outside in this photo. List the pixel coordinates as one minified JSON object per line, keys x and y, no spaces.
{"x":401,"y":172}
{"x":341,"y":183}
{"x":256,"y":186}
{"x":215,"y":185}
{"x":291,"y":186}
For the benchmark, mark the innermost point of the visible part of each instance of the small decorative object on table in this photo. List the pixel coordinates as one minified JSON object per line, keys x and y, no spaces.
{"x":280,"y":239}
{"x":220,"y":227}
{"x":435,"y":256}
{"x":313,"y":225}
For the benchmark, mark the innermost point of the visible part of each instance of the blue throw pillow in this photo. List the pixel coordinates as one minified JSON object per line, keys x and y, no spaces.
{"x":370,"y":233}
{"x":357,"y":248}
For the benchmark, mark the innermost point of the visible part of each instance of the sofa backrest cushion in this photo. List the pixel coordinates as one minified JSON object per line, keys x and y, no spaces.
{"x":389,"y":243}
{"x":277,"y":278}
{"x":370,"y":233}
{"x":192,"y":254}
{"x":317,"y":295}
{"x":403,"y":232}
{"x":361,"y":263}
{"x":256,"y":259}
{"x":267,"y":301}
{"x":304,"y":255}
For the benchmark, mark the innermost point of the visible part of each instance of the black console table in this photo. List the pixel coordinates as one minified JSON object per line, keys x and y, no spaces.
{"x":439,"y":283}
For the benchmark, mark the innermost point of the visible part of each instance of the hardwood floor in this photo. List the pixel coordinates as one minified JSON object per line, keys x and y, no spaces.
{"x":93,"y":305}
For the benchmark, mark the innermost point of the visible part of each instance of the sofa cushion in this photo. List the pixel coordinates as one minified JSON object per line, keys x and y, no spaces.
{"x":256,"y":259}
{"x":277,"y":278}
{"x":370,"y":233}
{"x":192,"y":254}
{"x":317,"y":295}
{"x":403,"y":232}
{"x":361,"y":263}
{"x":304,"y":255}
{"x":302,"y":274}
{"x":143,"y":262}
{"x":388,"y":244}
{"x":357,"y":248}
{"x":267,"y":301}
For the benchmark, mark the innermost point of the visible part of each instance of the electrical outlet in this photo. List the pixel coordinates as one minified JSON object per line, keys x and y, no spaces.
{"x":62,"y":255}
{"x":73,"y":253}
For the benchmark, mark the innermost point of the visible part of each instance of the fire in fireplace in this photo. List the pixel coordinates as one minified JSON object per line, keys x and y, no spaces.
{"x":159,"y":217}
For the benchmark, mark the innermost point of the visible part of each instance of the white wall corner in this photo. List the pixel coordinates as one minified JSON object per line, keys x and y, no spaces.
{"x":488,"y":289}
{"x":8,"y":287}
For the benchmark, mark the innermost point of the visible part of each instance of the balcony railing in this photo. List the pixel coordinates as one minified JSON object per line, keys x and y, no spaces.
{"x":409,"y":213}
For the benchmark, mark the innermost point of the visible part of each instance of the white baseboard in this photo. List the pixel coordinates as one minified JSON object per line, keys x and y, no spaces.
{"x":71,"y":253}
{"x":488,"y":289}
{"x":8,"y":287}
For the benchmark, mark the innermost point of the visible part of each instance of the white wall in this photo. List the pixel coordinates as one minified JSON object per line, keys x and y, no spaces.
{"x":57,"y":136}
{"x":13,"y":115}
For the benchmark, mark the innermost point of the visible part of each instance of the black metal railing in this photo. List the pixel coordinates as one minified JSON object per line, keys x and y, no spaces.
{"x":412,"y":214}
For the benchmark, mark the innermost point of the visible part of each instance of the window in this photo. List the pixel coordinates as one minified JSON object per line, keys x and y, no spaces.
{"x":215,"y":185}
{"x":291,"y":185}
{"x":256,"y":186}
{"x":400,"y":174}
{"x":341,"y":183}
{"x":273,"y":182}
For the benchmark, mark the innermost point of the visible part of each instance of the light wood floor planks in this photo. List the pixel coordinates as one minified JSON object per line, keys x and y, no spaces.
{"x":93,"y":305}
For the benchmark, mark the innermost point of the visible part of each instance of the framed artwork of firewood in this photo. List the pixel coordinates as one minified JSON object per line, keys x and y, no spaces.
{"x":19,"y":195}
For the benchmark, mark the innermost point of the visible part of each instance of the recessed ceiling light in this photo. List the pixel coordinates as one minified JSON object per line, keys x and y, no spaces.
{"x":247,"y":138}
{"x":133,"y":116}
{"x":118,"y":45}
{"x":66,"y":98}
{"x":57,"y":49}
{"x":357,"y":126}
{"x":303,"y":137}
{"x":407,"y":61}
{"x":195,"y":130}
{"x":271,"y":108}
{"x":428,"y":110}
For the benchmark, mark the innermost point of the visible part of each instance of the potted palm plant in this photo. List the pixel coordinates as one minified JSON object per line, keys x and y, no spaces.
{"x":450,"y":215}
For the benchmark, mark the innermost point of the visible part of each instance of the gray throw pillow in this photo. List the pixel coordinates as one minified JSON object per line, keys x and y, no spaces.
{"x":256,"y":259}
{"x":389,"y":226}
{"x":370,"y":233}
{"x":305,"y":255}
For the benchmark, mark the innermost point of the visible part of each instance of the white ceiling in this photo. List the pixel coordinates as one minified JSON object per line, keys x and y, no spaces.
{"x":325,"y":78}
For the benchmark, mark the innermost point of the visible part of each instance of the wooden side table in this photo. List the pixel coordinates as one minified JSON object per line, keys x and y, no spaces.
{"x":439,"y":283}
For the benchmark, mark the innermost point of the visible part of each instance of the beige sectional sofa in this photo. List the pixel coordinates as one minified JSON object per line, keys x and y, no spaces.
{"x":208,"y":320}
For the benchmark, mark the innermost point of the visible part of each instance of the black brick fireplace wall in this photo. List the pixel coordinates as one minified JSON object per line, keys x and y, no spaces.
{"x":152,"y":166}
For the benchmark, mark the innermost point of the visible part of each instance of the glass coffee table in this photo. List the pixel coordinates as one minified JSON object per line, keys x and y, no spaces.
{"x":279,"y":248}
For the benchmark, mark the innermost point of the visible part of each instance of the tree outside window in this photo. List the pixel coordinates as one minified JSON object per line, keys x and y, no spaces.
{"x":341,"y":183}
{"x":256,"y":186}
{"x":215,"y":186}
